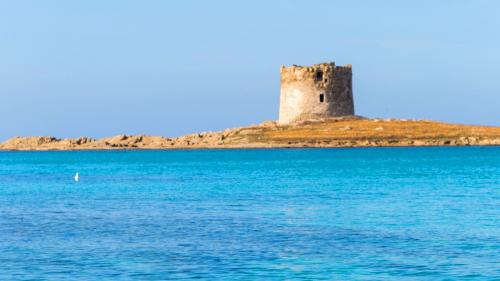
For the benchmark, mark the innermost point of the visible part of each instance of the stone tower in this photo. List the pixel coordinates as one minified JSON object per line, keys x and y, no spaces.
{"x":318,"y":91}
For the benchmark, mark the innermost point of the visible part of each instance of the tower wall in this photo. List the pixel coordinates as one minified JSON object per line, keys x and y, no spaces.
{"x":312,"y":92}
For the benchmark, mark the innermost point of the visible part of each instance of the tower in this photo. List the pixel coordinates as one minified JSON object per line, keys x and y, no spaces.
{"x":315,"y":92}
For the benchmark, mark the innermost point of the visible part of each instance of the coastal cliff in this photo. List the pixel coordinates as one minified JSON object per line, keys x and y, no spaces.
{"x":334,"y":132}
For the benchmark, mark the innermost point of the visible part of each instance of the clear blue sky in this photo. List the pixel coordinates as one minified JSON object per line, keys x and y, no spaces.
{"x":100,"y":68}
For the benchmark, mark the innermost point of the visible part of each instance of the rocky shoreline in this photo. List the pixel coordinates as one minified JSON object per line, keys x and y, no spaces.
{"x":335,"y":132}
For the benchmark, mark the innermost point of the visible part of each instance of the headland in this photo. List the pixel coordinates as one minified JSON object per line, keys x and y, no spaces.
{"x":348,"y":131}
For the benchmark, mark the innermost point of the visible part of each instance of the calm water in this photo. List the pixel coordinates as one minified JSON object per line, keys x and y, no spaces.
{"x":324,"y":214}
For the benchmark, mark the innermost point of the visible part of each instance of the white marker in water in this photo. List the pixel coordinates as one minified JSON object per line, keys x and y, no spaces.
{"x":77,"y":177}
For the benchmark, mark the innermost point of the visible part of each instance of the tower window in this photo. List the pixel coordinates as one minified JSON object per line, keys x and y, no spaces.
{"x":319,"y":75}
{"x":321,"y":98}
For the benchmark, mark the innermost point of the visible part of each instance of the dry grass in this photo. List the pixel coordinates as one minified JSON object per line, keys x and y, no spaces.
{"x":340,"y":132}
{"x":366,"y":129}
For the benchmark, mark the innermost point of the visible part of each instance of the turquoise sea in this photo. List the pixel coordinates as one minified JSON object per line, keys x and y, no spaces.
{"x":285,"y":214}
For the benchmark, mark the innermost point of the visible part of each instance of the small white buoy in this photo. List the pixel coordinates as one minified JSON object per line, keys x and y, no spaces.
{"x":77,"y":177}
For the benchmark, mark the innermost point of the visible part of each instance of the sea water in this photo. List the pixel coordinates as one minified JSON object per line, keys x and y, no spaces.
{"x":284,"y":214}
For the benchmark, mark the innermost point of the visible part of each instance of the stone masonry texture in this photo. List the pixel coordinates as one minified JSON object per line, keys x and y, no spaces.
{"x":315,"y":92}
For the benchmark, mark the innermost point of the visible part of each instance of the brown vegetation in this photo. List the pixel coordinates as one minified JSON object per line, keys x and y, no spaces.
{"x":335,"y":132}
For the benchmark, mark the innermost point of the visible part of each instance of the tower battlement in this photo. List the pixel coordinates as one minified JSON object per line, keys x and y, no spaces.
{"x":318,"y":91}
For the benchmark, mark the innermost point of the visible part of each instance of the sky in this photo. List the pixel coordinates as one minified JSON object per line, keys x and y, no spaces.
{"x":100,"y":68}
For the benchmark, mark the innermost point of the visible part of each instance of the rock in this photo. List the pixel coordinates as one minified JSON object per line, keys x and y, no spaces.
{"x":327,"y":133}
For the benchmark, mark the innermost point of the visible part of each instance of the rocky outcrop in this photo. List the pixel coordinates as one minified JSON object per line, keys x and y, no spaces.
{"x":350,"y":131}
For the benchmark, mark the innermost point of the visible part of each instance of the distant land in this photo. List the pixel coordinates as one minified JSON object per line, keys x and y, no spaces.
{"x":351,"y":131}
{"x":316,"y":110}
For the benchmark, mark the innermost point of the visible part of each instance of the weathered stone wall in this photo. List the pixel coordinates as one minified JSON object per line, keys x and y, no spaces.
{"x":302,"y":87}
